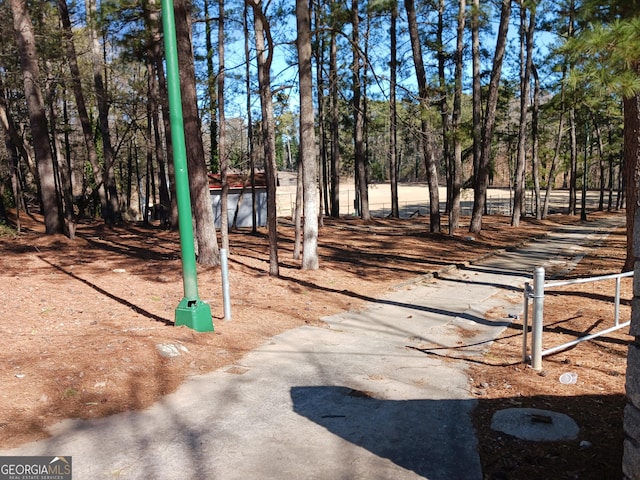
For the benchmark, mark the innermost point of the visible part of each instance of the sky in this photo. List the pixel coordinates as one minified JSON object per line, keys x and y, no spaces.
{"x":284,"y":75}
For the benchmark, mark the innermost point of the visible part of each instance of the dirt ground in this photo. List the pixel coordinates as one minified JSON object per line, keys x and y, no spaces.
{"x":596,"y":401}
{"x":87,"y":324}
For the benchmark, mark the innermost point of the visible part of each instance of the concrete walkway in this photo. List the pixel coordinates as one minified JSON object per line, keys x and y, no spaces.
{"x":358,"y":399}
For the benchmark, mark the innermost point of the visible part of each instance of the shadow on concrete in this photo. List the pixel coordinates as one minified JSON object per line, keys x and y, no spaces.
{"x":427,"y":437}
{"x":418,"y":435}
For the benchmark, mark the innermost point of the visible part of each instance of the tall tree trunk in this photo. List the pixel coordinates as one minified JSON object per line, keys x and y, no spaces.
{"x":631,"y":176}
{"x":208,"y":253}
{"x":250,"y":142}
{"x":62,"y":164}
{"x":480,"y":190}
{"x":365,"y":98}
{"x":573,"y":147}
{"x":393,"y":113}
{"x":211,"y":89}
{"x":558,"y":147}
{"x":573,"y":150}
{"x":335,"y":126}
{"x":265,"y":58}
{"x":222,"y":135}
{"x":113,"y":211}
{"x":152,"y":21}
{"x":14,"y":167}
{"x":444,"y":104}
{"x":307,"y":139}
{"x":554,"y":166}
{"x":154,"y":101}
{"x":526,"y":60}
{"x":610,"y":159}
{"x":630,"y":466}
{"x":18,"y":142}
{"x":585,"y":171}
{"x":456,"y":114}
{"x":11,"y":138}
{"x":601,"y":163}
{"x":535,"y":139}
{"x":319,"y":57}
{"x":620,"y":198}
{"x":476,"y":89}
{"x":37,"y":119}
{"x":362,"y":185}
{"x":427,"y":150}
{"x":147,"y":189}
{"x":631,"y":170}
{"x":129,"y":183}
{"x":85,"y":121}
{"x":297,"y":216}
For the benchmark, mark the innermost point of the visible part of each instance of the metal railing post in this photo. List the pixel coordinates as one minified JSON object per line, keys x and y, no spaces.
{"x":617,"y":303}
{"x":537,"y":328}
{"x":538,"y":314}
{"x":224,"y":270}
{"x":525,"y":321}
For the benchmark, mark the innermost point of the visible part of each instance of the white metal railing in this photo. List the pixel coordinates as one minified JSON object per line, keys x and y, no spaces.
{"x":536,"y":292}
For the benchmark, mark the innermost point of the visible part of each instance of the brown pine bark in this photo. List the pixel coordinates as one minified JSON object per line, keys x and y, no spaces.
{"x":526,"y":59}
{"x":85,"y":121}
{"x":307,"y":139}
{"x":335,"y":126}
{"x":482,"y":180}
{"x":535,"y":139}
{"x":205,"y":231}
{"x":26,"y":41}
{"x":476,"y":89}
{"x":319,"y":56}
{"x":152,"y":22}
{"x":445,"y":119}
{"x":362,"y":187}
{"x":113,"y":210}
{"x":265,"y":58}
{"x":393,"y":113}
{"x":573,"y":172}
{"x":456,"y":114}
{"x":427,"y":150}
{"x":631,"y":170}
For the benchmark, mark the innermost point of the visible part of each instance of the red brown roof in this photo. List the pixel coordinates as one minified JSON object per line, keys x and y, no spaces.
{"x":237,"y":180}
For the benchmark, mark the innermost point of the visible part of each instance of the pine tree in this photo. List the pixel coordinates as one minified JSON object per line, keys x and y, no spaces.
{"x":37,"y":118}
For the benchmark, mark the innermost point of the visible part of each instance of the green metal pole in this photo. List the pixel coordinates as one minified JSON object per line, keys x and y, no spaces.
{"x":191,"y":311}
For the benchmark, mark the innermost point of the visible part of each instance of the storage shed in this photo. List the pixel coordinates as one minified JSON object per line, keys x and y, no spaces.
{"x":240,"y":199}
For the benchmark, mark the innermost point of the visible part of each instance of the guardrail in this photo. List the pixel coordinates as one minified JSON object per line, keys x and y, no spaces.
{"x":536,"y":292}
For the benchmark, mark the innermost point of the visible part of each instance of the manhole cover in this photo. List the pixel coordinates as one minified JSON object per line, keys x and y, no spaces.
{"x":535,"y":424}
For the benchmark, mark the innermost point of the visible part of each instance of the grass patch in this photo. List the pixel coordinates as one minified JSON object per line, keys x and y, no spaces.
{"x":7,"y":230}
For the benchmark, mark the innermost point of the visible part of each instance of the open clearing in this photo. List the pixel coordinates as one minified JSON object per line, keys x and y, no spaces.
{"x":84,"y":322}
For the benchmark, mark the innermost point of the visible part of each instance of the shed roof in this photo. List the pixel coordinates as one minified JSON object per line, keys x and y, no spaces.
{"x":237,"y":180}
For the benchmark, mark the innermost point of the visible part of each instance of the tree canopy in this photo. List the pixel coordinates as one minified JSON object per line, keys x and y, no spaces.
{"x":424,"y":117}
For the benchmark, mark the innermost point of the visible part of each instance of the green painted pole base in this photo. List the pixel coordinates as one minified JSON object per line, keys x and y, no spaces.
{"x":194,"y":314}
